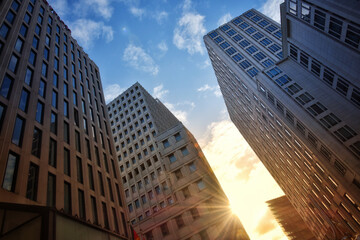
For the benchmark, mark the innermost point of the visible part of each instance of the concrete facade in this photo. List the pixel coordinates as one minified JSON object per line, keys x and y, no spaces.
{"x":170,"y":189}
{"x":293,"y":93}
{"x":55,"y":147}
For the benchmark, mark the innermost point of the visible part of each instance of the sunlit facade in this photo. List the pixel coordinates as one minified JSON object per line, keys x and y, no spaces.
{"x":293,"y":93}
{"x":170,"y":189}
{"x":59,"y":177}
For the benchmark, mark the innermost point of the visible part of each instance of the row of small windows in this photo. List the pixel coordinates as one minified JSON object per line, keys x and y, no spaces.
{"x":337,"y":164}
{"x":336,"y":26}
{"x":314,"y":107}
{"x":326,"y":121}
{"x":122,"y":98}
{"x":332,"y":79}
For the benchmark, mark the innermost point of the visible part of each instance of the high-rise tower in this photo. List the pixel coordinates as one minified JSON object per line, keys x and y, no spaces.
{"x":58,"y":172}
{"x":293,"y":92}
{"x":170,"y":189}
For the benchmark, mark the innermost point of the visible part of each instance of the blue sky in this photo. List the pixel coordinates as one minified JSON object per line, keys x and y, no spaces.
{"x":159,"y":44}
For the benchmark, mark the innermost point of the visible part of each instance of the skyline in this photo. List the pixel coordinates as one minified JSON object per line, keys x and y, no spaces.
{"x":129,"y":44}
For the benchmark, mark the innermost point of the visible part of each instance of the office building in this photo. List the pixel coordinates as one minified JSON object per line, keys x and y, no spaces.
{"x":170,"y":189}
{"x":58,"y":172}
{"x":293,"y":92}
{"x":289,"y":219}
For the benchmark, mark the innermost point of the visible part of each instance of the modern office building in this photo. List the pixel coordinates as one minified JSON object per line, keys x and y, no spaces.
{"x":58,"y":172}
{"x":170,"y":189}
{"x":289,"y":219}
{"x":293,"y":91}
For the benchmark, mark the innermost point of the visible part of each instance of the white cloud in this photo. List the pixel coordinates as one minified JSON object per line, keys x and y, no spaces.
{"x":162,"y":46}
{"x":112,"y":91}
{"x":179,"y":114}
{"x":140,"y":60}
{"x":189,"y":31}
{"x":214,"y":89}
{"x":102,"y":7}
{"x":86,"y":31}
{"x":224,"y":19}
{"x":271,"y":8}
{"x":160,"y":17}
{"x":137,"y":12}
{"x":159,"y":92}
{"x":205,"y":64}
{"x":60,"y":7}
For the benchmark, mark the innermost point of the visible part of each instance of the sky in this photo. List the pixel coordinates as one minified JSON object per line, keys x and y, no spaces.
{"x":159,"y":43}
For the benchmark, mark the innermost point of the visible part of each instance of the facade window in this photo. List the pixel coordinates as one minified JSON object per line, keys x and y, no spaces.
{"x":342,"y":86}
{"x":94,"y":209}
{"x":130,"y":208}
{"x":101,"y":184}
{"x":345,"y":133}
{"x":18,"y":45}
{"x":13,"y":63}
{"x":79,"y":171}
{"x":77,"y":141}
{"x":305,"y":12}
{"x":67,"y":165}
{"x":54,"y":101}
{"x":18,"y":131}
{"x":4,"y":30}
{"x":316,"y":109}
{"x":39,"y":117}
{"x":200,"y":184}
{"x":304,"y":98}
{"x":51,"y":190}
{"x":184,"y":151}
{"x":330,"y":120}
{"x":53,"y":123}
{"x":67,"y":198}
{"x":192,"y":167}
{"x":319,"y":19}
{"x":91,"y":177}
{"x":66,"y":109}
{"x":42,"y":88}
{"x":32,"y":58}
{"x":10,"y":175}
{"x":335,"y":27}
{"x":32,"y":184}
{"x":81,"y":199}
{"x":36,"y":142}
{"x":52,"y":152}
{"x":164,"y":229}
{"x":353,"y":36}
{"x":6,"y":86}
{"x":66,"y":132}
{"x":194,"y":213}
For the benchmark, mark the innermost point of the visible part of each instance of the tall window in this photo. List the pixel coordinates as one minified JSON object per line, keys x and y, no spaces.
{"x":67,"y":197}
{"x":91,"y":177}
{"x":79,"y":169}
{"x":67,"y":162}
{"x":51,"y":190}
{"x":11,"y":172}
{"x":94,"y":209}
{"x":6,"y":86}
{"x":106,"y":220}
{"x":53,"y":123}
{"x":77,"y":141}
{"x":81,"y":204}
{"x":39,"y":112}
{"x":101,"y":183}
{"x":18,"y":131}
{"x":110,"y":190}
{"x":24,"y":99}
{"x":66,"y":133}
{"x":32,"y":184}
{"x":36,"y":142}
{"x":52,"y":153}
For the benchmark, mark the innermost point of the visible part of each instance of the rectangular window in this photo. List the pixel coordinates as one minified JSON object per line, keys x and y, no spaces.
{"x":319,"y":19}
{"x":67,"y":165}
{"x":110,"y":190}
{"x":184,"y":151}
{"x":39,"y":117}
{"x":335,"y":27}
{"x":32,"y":184}
{"x":10,"y":175}
{"x":66,"y":133}
{"x":315,"y":67}
{"x":54,"y":99}
{"x":345,"y":133}
{"x":330,"y":120}
{"x":194,"y":213}
{"x":24,"y":99}
{"x":342,"y":86}
{"x":52,"y":152}
{"x":328,"y":76}
{"x":32,"y":57}
{"x":164,"y":229}
{"x":18,"y":131}
{"x":36,"y":142}
{"x":44,"y":68}
{"x":66,"y":109}
{"x":304,"y":98}
{"x":77,"y":141}
{"x":106,"y":220}
{"x":317,"y":109}
{"x":79,"y":170}
{"x":42,"y":88}
{"x":304,"y":59}
{"x":81,"y":199}
{"x":305,"y":12}
{"x":101,"y":184}
{"x":91,"y":177}
{"x":353,"y":36}
{"x":293,"y":7}
{"x":200,"y":184}
{"x":67,"y":198}
{"x":18,"y":45}
{"x":172,"y":158}
{"x":4,"y":30}
{"x":13,"y":63}
{"x":51,"y":191}
{"x":94,"y":210}
{"x":6,"y":86}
